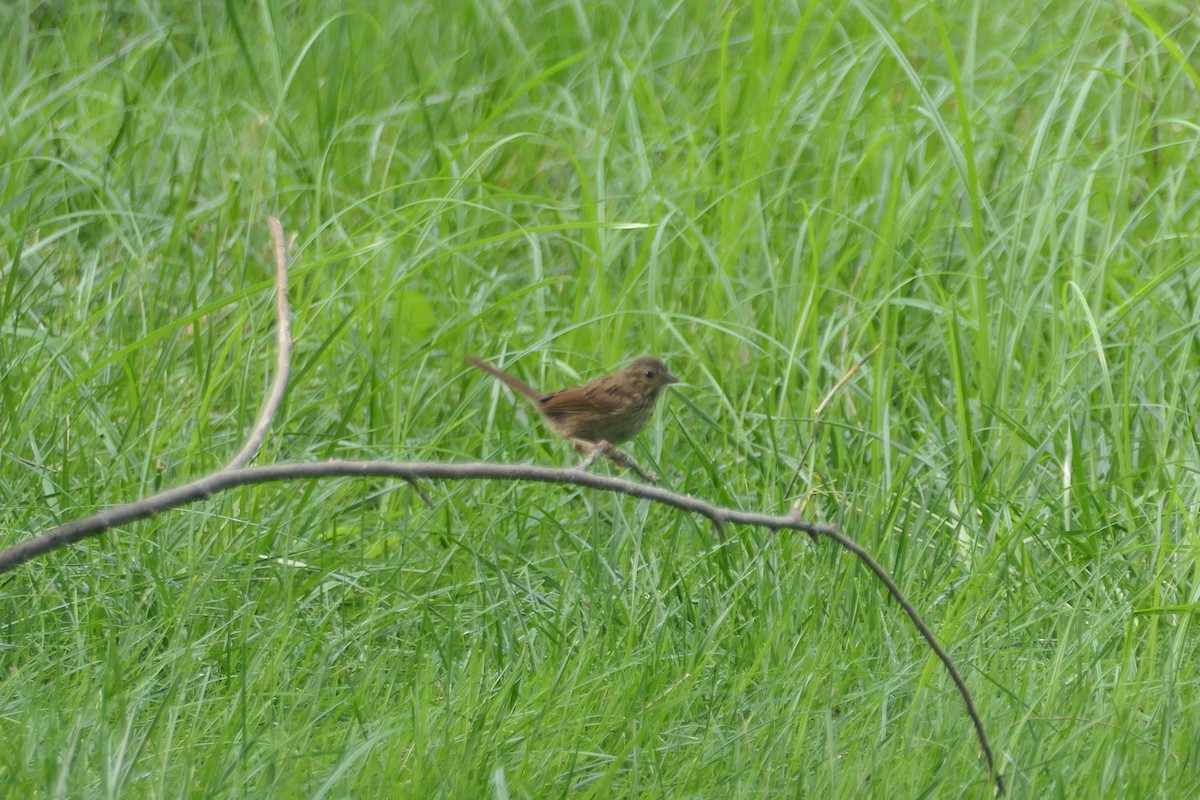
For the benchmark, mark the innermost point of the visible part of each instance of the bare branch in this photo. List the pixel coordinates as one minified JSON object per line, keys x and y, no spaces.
{"x":411,"y":471}
{"x":209,"y":485}
{"x":283,"y":352}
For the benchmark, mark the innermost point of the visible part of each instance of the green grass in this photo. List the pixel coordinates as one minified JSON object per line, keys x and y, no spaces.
{"x":1003,"y":200}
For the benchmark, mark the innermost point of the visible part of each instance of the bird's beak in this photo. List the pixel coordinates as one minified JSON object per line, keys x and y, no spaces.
{"x":671,"y":379}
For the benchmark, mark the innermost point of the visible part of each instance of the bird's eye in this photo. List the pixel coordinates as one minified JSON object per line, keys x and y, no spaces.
{"x":649,"y":373}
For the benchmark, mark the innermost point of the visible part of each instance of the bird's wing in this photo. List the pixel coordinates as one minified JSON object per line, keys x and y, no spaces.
{"x":581,"y":398}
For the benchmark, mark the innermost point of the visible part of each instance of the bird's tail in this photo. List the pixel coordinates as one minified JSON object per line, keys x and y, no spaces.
{"x":514,"y":383}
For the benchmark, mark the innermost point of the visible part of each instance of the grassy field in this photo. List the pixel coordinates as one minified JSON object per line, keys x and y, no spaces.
{"x":993,"y":209}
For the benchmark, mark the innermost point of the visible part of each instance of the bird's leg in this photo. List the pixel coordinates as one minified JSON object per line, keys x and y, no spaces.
{"x":621,"y":458}
{"x":594,"y":450}
{"x":605,"y":449}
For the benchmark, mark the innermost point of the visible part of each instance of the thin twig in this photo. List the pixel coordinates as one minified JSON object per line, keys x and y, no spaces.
{"x":825,"y":401}
{"x":931,"y":640}
{"x":283,"y":352}
{"x":828,"y":398}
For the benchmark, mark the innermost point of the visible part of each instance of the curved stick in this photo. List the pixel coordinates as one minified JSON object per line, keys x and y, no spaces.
{"x":412,"y":471}
{"x":283,"y":352}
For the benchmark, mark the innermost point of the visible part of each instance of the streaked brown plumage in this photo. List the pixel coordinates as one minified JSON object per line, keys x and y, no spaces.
{"x":610,"y":409}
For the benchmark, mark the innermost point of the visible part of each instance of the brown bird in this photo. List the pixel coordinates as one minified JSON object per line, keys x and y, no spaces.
{"x":608,"y":410}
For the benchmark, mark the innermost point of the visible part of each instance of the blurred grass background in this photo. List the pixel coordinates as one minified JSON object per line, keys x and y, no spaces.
{"x":1001,"y":199}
